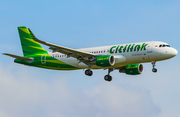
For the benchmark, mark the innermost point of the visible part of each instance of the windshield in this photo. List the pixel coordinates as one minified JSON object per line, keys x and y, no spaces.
{"x":164,"y":45}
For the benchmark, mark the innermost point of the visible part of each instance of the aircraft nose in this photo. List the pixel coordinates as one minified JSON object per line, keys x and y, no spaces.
{"x":174,"y":52}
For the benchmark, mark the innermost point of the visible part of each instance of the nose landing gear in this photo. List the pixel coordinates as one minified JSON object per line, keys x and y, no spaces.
{"x":153,"y":64}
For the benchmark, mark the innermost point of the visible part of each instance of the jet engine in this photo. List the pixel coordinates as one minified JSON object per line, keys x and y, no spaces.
{"x":132,"y":69}
{"x":109,"y":60}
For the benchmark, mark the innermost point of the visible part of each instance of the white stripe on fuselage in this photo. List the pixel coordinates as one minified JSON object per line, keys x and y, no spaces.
{"x":152,"y":52}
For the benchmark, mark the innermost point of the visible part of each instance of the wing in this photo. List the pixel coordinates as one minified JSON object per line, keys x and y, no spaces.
{"x":80,"y":55}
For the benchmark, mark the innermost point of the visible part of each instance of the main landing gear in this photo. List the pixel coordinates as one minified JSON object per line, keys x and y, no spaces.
{"x":108,"y":77}
{"x":88,"y":72}
{"x":153,"y":64}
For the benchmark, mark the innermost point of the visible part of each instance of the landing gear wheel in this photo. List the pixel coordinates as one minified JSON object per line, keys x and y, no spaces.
{"x":153,"y":64}
{"x":154,"y":70}
{"x":107,"y":78}
{"x":88,"y":72}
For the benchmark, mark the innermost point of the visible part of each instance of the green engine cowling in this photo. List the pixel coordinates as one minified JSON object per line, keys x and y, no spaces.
{"x":105,"y":60}
{"x":132,"y":69}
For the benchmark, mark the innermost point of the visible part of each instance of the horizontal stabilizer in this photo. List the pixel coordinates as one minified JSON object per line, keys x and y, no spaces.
{"x":19,"y":57}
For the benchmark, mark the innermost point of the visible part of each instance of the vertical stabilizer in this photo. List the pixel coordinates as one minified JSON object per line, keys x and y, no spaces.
{"x":29,"y":46}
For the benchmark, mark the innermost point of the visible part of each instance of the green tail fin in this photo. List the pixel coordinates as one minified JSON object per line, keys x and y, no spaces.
{"x":29,"y":46}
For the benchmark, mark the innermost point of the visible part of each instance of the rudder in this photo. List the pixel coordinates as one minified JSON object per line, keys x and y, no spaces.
{"x":29,"y":46}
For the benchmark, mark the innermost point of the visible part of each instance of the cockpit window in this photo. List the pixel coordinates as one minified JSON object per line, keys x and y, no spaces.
{"x":163,"y":45}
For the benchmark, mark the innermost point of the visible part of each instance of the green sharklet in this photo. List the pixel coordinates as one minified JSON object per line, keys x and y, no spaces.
{"x":128,"y":48}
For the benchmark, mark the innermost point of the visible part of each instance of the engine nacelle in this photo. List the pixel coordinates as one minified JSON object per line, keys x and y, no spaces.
{"x":105,"y":60}
{"x":109,"y":60}
{"x":119,"y":59}
{"x":132,"y":69}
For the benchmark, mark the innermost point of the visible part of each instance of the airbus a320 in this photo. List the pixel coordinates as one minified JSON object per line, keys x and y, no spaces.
{"x":126,"y":58}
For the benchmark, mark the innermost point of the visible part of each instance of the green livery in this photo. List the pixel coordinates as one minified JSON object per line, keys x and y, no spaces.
{"x":41,"y":58}
{"x":126,"y":58}
{"x":104,"y":60}
{"x":127,"y":48}
{"x":132,"y":69}
{"x":29,"y":46}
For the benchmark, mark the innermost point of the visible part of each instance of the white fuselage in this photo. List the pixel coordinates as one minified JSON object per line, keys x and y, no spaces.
{"x":129,"y":53}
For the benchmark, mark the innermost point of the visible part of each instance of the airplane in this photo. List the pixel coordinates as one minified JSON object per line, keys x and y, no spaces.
{"x":126,"y":58}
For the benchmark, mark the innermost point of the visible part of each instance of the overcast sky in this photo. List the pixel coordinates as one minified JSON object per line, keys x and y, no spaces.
{"x":34,"y":92}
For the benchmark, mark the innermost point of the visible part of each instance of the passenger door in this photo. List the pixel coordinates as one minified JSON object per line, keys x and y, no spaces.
{"x":149,"y":47}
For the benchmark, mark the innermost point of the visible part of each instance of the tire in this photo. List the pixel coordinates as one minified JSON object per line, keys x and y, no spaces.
{"x":107,"y":78}
{"x":110,"y":78}
{"x":154,"y":70}
{"x":88,"y":72}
